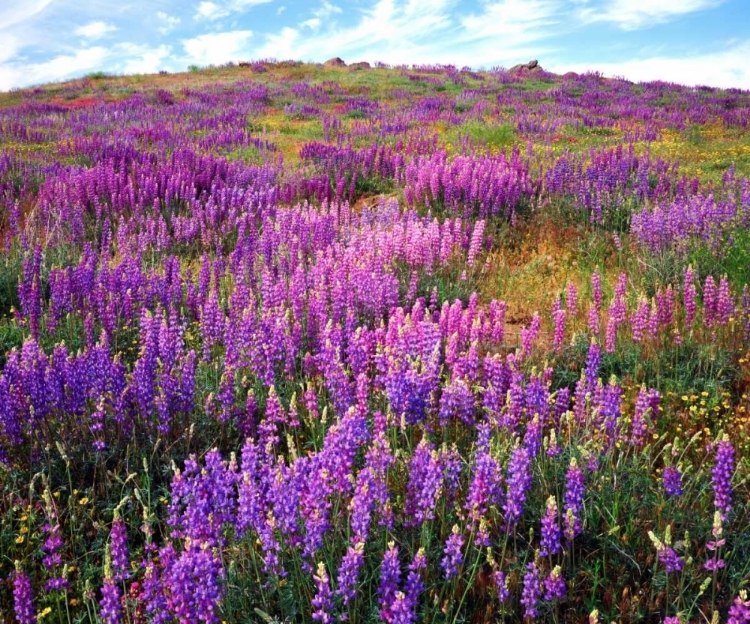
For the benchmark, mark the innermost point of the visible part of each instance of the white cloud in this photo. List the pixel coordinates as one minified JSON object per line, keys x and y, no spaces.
{"x":13,"y":35}
{"x":634,"y":14}
{"x":12,"y":44}
{"x":94,"y":30}
{"x":425,"y":31}
{"x":169,"y":22}
{"x":16,"y":11}
{"x":512,"y":21}
{"x":313,"y":23}
{"x":212,"y":11}
{"x":57,"y":68}
{"x":326,"y":9}
{"x":386,"y":27}
{"x":726,"y":68}
{"x":209,"y":10}
{"x":142,"y":59}
{"x":217,"y":48}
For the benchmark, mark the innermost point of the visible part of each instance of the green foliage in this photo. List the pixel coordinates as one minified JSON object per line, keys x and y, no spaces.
{"x":687,"y":368}
{"x":98,"y":75}
{"x":733,"y":260}
{"x":10,"y":273}
{"x":495,"y":137}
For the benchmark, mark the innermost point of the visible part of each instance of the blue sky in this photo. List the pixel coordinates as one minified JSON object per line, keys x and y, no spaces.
{"x":689,"y":41}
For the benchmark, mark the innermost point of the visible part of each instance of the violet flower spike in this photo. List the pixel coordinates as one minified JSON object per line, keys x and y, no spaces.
{"x":453,"y":558}
{"x":722,"y":476}
{"x":532,"y":591}
{"x":23,"y":597}
{"x":551,"y":533}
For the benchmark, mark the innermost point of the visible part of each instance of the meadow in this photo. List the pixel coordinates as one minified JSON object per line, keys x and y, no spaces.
{"x":283,"y":342}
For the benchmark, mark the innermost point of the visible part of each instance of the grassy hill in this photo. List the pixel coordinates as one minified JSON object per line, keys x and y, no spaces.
{"x":289,"y":342}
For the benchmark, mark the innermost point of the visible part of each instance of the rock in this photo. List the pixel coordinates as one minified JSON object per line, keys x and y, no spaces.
{"x":570,"y":75}
{"x":360,"y":65}
{"x":334,"y":62}
{"x":244,"y":64}
{"x":531,"y":66}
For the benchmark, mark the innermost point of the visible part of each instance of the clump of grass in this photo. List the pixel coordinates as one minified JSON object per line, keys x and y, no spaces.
{"x":495,"y":137}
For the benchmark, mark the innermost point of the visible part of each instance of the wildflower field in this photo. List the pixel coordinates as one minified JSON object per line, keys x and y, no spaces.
{"x":291,"y":343}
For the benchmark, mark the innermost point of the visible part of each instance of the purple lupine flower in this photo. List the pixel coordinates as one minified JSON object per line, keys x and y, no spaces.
{"x":194,"y":584}
{"x":323,"y":600}
{"x":716,"y":562}
{"x":672,"y":478}
{"x":454,"y":557}
{"x":609,"y":399}
{"x":596,"y":289}
{"x":486,"y":482}
{"x":52,"y":544}
{"x":476,"y":242}
{"x":593,"y":362}
{"x":349,"y":572}
{"x":152,"y":595}
{"x":571,"y":303}
{"x":532,"y":591}
{"x":610,"y":335}
{"x":673,"y":619}
{"x":670,"y":559}
{"x":532,"y":437}
{"x":593,"y":320}
{"x":111,"y":603}
{"x":739,"y":612}
{"x":710,"y":296}
{"x":119,"y":550}
{"x":425,"y":484}
{"x":667,"y":556}
{"x":553,"y":448}
{"x":551,"y":533}
{"x":574,"y":492}
{"x":519,"y":481}
{"x":362,"y":504}
{"x":23,"y":597}
{"x":554,"y":585}
{"x":503,"y":593}
{"x":453,"y":465}
{"x":646,"y":410}
{"x":559,"y":335}
{"x":722,"y":476}
{"x":404,"y":609}
{"x":724,"y":303}
{"x":639,"y":319}
{"x":390,"y":578}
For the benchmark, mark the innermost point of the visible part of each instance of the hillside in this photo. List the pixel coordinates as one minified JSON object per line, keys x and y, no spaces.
{"x":294,"y":342}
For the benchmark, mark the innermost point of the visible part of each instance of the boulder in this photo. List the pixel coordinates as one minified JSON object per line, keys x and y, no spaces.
{"x":360,"y":65}
{"x":334,"y":62}
{"x":531,"y":66}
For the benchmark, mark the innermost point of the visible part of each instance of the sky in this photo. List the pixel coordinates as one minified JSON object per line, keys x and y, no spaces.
{"x":693,"y":42}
